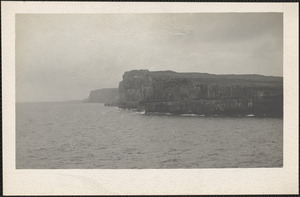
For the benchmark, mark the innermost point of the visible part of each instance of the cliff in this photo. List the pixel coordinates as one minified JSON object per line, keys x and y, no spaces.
{"x":107,"y":95}
{"x":201,"y":93}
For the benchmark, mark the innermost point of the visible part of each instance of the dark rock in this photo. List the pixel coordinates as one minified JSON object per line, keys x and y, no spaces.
{"x":112,"y":104}
{"x":201,"y":93}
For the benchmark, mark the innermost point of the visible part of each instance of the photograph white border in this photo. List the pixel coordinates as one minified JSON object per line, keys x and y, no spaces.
{"x":151,"y":181}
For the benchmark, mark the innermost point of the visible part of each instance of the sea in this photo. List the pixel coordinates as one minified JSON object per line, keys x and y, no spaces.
{"x":94,"y":136}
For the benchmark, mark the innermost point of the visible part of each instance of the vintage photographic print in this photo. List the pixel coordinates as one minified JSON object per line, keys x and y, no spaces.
{"x":128,"y":91}
{"x":149,"y":98}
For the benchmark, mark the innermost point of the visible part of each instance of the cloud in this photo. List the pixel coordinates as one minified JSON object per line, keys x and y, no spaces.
{"x":64,"y":56}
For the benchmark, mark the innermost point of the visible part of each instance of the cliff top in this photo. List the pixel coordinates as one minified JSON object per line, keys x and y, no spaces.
{"x":205,"y":77}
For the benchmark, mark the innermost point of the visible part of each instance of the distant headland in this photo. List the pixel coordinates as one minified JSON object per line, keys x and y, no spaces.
{"x":105,"y":95}
{"x":195,"y":93}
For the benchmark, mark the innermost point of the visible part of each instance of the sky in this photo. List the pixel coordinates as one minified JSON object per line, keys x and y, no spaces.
{"x":65,"y":56}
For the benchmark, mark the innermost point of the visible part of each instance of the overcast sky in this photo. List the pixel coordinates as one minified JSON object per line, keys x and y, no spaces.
{"x":63,"y":57}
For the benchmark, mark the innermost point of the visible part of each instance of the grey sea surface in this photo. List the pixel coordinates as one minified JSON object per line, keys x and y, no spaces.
{"x":92,"y":136}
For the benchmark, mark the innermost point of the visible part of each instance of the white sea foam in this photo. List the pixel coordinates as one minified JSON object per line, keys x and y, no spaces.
{"x":140,"y":112}
{"x":159,"y":113}
{"x":189,"y":115}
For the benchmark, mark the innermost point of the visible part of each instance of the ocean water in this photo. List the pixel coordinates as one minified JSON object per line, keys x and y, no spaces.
{"x":92,"y":136}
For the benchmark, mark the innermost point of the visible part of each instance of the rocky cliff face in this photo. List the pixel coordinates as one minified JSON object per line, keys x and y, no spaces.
{"x":201,"y":93}
{"x":107,"y":95}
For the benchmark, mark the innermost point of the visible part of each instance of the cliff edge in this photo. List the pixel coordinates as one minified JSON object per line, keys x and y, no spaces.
{"x":201,"y":93}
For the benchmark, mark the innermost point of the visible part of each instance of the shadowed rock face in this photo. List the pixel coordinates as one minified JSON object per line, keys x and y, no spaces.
{"x":107,"y":95}
{"x":201,"y":93}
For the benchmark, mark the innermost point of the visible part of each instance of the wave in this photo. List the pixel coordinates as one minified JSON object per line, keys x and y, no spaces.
{"x":140,"y":112}
{"x":159,"y":113}
{"x":192,"y":115}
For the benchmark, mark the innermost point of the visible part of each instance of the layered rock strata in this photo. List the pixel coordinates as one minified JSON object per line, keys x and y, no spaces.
{"x":201,"y":93}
